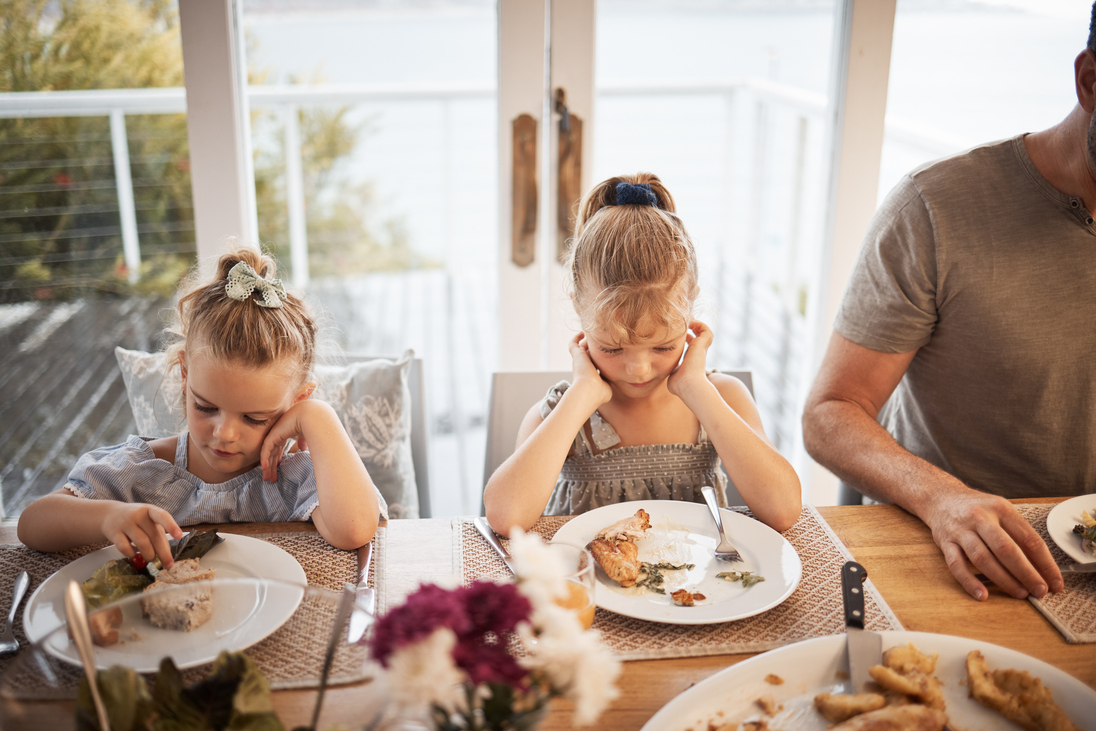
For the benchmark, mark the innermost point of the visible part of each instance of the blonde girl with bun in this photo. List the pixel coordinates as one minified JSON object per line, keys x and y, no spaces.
{"x":642,"y":418}
{"x":244,"y":349}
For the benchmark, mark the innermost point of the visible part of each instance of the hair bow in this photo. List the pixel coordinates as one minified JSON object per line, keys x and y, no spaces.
{"x":243,"y":280}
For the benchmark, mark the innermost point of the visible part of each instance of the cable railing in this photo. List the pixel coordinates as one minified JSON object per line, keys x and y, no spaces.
{"x":763,"y":318}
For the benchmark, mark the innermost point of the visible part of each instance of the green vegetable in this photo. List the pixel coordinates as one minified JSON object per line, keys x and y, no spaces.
{"x":112,"y":581}
{"x":748,"y":578}
{"x":235,"y":697}
{"x":651,"y":574}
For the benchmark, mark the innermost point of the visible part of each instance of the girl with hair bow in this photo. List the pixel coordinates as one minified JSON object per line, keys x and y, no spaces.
{"x":245,"y":349}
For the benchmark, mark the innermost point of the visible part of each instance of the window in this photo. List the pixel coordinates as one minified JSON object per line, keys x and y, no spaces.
{"x":727,"y":105}
{"x":966,"y":73}
{"x":96,"y":222}
{"x":375,"y":138}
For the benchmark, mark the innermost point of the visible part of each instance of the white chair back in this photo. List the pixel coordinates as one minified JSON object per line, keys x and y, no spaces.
{"x":512,"y":393}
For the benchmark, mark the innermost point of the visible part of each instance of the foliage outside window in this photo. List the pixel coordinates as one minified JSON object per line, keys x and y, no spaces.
{"x":60,"y":231}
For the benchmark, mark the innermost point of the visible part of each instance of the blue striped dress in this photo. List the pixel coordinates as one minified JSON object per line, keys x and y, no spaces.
{"x":132,"y":473}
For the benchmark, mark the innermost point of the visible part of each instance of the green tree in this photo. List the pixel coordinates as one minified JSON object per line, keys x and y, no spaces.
{"x":59,"y":226}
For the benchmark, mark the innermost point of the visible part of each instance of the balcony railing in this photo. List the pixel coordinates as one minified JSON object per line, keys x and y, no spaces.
{"x":762,"y":316}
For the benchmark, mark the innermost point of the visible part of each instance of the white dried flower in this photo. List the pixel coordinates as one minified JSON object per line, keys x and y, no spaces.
{"x":423,"y":673}
{"x":541,"y":572}
{"x":578,"y":666}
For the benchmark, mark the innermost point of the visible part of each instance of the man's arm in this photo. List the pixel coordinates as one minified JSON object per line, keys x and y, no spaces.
{"x":841,"y":433}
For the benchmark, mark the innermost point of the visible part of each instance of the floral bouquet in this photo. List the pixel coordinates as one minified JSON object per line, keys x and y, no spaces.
{"x":491,"y":656}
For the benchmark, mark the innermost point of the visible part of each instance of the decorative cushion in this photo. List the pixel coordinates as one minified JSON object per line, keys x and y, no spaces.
{"x":372,"y":399}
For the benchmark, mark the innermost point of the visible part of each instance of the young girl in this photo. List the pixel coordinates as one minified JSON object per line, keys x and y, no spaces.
{"x":245,"y":349}
{"x":649,"y":423}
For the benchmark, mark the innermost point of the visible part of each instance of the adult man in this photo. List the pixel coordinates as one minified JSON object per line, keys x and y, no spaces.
{"x":971,"y":315}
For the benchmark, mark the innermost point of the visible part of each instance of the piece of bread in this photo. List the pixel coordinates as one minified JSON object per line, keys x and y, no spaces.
{"x":180,"y":609}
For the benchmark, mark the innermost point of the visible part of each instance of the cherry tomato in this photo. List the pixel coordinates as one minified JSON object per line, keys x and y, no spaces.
{"x":138,"y":562}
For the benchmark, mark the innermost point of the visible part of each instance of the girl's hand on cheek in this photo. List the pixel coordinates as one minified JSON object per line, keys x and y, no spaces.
{"x":692,"y":367}
{"x":285,"y":428}
{"x":586,"y":376}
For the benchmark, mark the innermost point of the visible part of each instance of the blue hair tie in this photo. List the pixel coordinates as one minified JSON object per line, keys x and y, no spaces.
{"x":635,"y":194}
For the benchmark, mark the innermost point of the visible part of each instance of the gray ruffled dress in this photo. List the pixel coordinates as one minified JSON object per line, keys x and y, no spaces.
{"x":600,"y":473}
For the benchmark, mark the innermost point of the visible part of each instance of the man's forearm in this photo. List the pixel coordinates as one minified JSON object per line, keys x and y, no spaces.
{"x":844,"y":439}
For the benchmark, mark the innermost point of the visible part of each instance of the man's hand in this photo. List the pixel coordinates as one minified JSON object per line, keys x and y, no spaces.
{"x":141,"y":525}
{"x":972,"y":527}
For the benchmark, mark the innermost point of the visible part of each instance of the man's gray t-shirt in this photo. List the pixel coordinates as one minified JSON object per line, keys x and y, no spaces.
{"x":986,"y":270}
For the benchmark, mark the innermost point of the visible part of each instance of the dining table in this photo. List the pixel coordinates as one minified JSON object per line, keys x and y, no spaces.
{"x":895,"y":548}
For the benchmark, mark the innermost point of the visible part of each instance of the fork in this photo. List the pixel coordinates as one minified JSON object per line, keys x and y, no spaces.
{"x":725,"y":551}
{"x":8,"y":643}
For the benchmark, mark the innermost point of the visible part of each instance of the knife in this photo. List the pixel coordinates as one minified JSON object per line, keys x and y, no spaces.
{"x":485,"y":531}
{"x":1079,"y":568}
{"x":865,"y":647}
{"x":364,"y":596}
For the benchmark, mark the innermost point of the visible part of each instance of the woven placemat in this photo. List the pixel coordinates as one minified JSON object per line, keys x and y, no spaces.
{"x":814,"y":609}
{"x":292,"y":657}
{"x":1072,"y":610}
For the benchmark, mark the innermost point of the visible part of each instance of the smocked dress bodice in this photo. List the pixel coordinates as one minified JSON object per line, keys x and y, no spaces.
{"x":599,"y":472}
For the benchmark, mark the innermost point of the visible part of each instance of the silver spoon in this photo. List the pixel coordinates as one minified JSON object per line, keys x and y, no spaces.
{"x":77,"y":614}
{"x":8,"y":643}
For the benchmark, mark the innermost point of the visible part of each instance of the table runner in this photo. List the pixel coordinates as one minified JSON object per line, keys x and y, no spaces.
{"x":814,"y":609}
{"x":291,"y":657}
{"x":1071,"y":610}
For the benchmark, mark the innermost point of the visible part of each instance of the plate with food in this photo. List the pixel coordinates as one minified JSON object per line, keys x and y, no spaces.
{"x":1072,"y":525}
{"x":228,"y":594}
{"x":791,"y":687}
{"x":656,"y":562}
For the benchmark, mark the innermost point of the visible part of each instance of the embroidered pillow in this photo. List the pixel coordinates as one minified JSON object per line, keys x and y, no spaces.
{"x":371,"y":397}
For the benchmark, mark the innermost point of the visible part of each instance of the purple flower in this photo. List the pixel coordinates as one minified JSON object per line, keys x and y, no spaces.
{"x":424,"y":611}
{"x":483,"y":616}
{"x":488,"y":663}
{"x":497,"y":608}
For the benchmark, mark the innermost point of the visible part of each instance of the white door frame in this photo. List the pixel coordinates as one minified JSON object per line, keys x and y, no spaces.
{"x":222,"y":175}
{"x":858,"y":104}
{"x":543,"y":44}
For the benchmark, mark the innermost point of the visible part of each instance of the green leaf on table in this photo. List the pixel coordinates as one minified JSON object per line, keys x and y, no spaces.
{"x":235,"y":696}
{"x":125,"y":697}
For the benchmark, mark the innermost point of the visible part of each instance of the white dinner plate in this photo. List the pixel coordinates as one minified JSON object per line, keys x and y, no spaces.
{"x":1060,"y":522}
{"x":763,"y":550}
{"x":811,"y":667}
{"x":243,"y":612}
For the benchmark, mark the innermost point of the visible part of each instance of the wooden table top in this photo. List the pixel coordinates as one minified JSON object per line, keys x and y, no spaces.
{"x":895,"y":548}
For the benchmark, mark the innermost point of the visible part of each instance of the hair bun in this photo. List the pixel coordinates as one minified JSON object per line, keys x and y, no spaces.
{"x":635,"y":194}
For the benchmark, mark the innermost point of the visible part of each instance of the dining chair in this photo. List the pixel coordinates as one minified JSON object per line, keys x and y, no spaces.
{"x":513,"y":392}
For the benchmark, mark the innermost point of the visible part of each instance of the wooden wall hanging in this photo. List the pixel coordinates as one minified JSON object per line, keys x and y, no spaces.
{"x":524,"y":191}
{"x":570,"y":173}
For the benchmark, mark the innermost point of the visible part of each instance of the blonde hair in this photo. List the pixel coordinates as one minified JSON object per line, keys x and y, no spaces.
{"x":242,"y":332}
{"x":631,"y":265}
